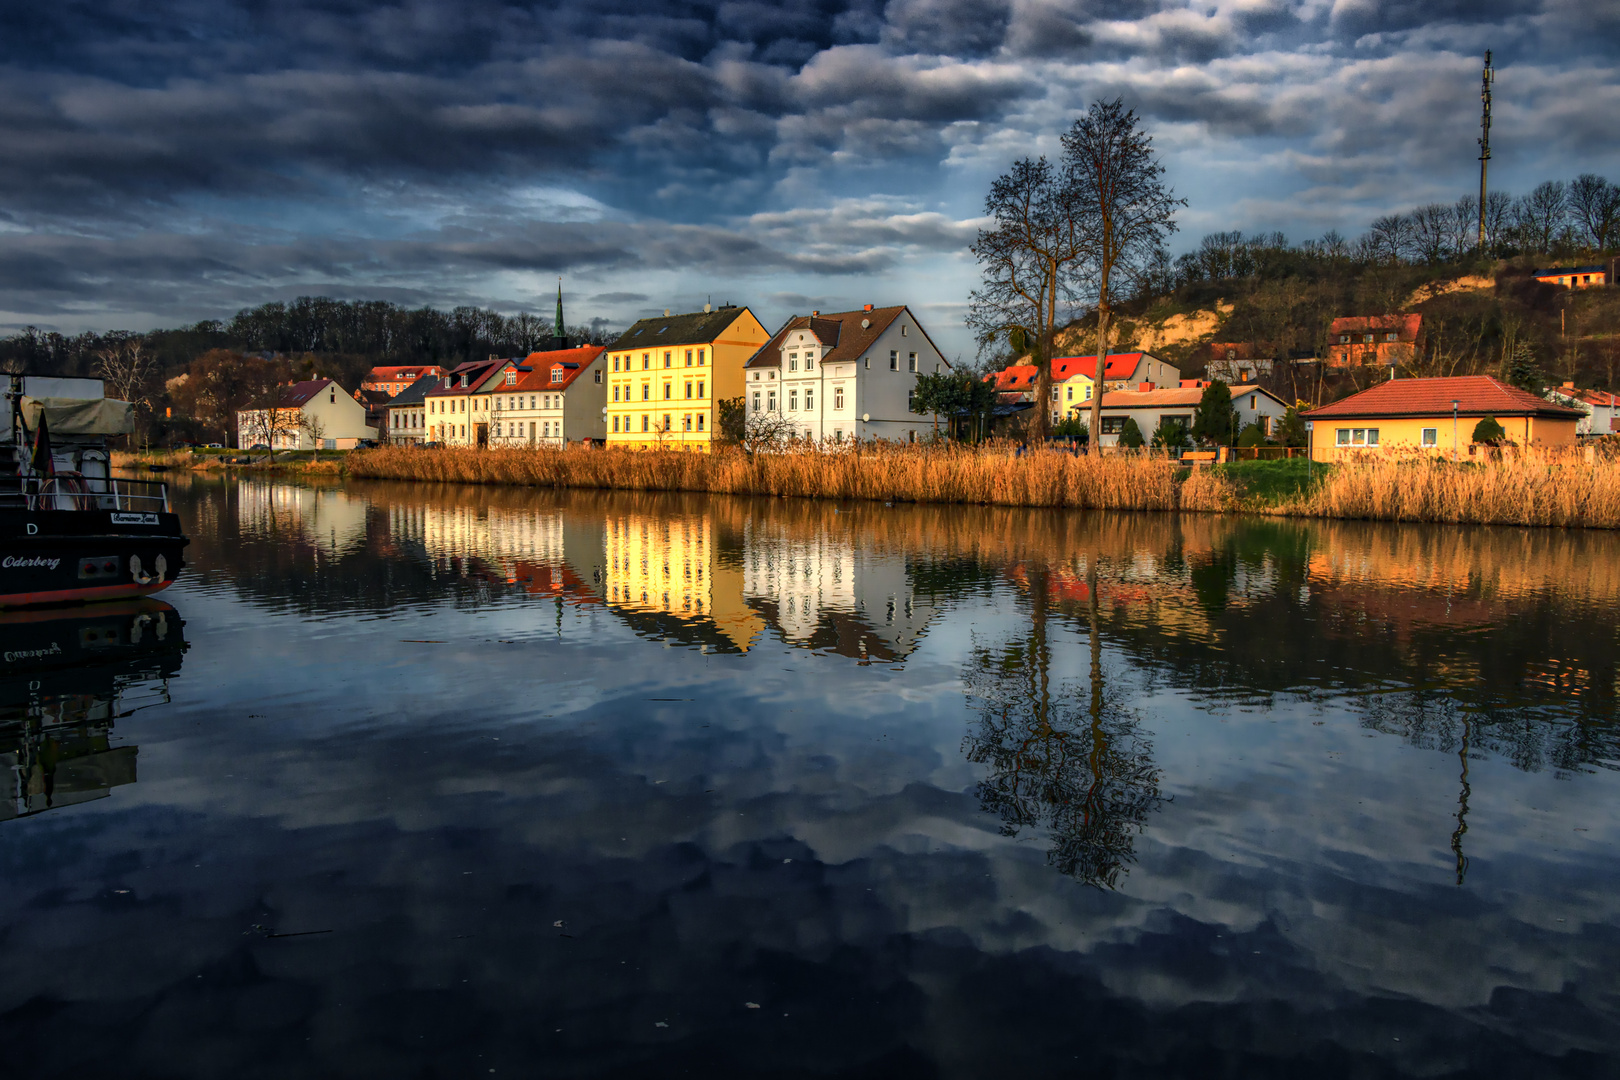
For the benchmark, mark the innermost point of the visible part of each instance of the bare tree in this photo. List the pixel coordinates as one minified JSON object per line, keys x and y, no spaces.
{"x":1391,"y":238}
{"x":1498,"y":219}
{"x":1128,"y":213}
{"x":1594,"y":203}
{"x":1463,"y":225}
{"x":126,"y":369}
{"x":315,"y":428}
{"x":767,"y":431}
{"x":1541,"y":216}
{"x":1028,"y":261}
{"x":1431,"y":232}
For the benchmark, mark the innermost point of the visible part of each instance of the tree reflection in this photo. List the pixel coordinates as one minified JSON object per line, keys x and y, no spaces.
{"x":1079,"y":770}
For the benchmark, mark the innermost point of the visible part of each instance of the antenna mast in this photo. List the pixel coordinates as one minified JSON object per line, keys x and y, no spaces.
{"x":1484,"y":139}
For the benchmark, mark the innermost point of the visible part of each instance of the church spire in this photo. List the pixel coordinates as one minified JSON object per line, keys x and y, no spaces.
{"x":559,"y":331}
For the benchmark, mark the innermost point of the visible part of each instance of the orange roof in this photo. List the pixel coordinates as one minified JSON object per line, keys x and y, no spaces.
{"x":399,"y":372}
{"x":572,"y":362}
{"x":1406,"y":326}
{"x":1022,"y":376}
{"x":1475,"y":395}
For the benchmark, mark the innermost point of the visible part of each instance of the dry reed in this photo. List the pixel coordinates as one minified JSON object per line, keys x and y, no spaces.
{"x":1527,"y":488}
{"x":897,"y":474}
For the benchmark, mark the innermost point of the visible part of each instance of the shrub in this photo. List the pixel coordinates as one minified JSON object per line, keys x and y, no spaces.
{"x":1251,"y":435}
{"x":1170,"y":435}
{"x":1291,"y":432}
{"x":1130,"y":436}
{"x":1489,"y":433}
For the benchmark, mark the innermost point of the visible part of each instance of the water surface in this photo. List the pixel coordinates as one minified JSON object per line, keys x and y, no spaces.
{"x":439,"y":781}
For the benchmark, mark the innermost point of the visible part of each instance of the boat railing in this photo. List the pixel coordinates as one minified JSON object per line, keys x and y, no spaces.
{"x":75,"y":492}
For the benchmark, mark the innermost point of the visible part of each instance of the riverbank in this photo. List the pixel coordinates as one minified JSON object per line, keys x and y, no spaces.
{"x":290,"y":461}
{"x":1531,"y":488}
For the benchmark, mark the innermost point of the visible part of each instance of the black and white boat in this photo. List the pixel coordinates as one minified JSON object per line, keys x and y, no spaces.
{"x":71,"y":531}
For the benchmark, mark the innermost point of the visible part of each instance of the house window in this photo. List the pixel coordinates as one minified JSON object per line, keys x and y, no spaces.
{"x":756,"y":401}
{"x":1344,"y":339}
{"x":770,"y":401}
{"x":1070,"y":394}
{"x":894,"y":360}
{"x":1431,"y":436}
{"x":838,"y":435}
{"x":793,"y":361}
{"x":556,"y":374}
{"x":686,"y":418}
{"x":700,"y":421}
{"x":615,"y":393}
{"x":913,"y":362}
{"x":1389,"y":337}
{"x":809,"y":398}
{"x":700,"y":389}
{"x":667,"y":425}
{"x":1357,"y":436}
{"x":902,"y":329}
{"x":838,"y":398}
{"x":511,"y":378}
{"x":669,"y":358}
{"x":809,"y":361}
{"x":615,"y":363}
{"x":615,"y":425}
{"x":646,"y":391}
{"x":689,"y":391}
{"x":1054,"y":393}
{"x":911,"y":399}
{"x":646,"y":422}
{"x":669,"y":391}
{"x":793,"y":400}
{"x":1113,"y":425}
{"x":688,"y":357}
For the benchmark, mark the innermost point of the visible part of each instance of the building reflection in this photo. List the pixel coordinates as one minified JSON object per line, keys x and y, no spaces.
{"x":66,"y":677}
{"x":822,"y":590}
{"x":667,"y":574}
{"x":329,"y":519}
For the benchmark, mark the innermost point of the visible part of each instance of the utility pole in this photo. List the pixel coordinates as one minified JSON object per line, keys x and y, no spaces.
{"x":1484,"y":139}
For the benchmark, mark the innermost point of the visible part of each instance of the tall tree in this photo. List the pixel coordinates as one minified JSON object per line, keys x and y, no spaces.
{"x":1594,"y":203}
{"x":1128,"y":212}
{"x":1540,"y":217}
{"x":1028,"y":258}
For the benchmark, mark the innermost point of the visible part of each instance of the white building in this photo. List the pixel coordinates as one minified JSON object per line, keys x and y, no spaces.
{"x":317,"y":414}
{"x":845,"y":375}
{"x":559,"y":399}
{"x":1600,"y":407}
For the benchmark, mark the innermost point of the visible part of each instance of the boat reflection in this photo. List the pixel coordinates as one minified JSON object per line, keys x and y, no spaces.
{"x":66,"y":676}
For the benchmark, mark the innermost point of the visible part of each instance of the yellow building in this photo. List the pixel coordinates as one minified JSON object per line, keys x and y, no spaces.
{"x":667,"y":376}
{"x":1437,"y":416}
{"x":458,"y":408}
{"x":667,"y":567}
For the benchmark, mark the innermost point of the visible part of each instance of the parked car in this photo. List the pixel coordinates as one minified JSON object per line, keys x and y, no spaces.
{"x":365,"y":444}
{"x":259,"y":446}
{"x":216,"y":446}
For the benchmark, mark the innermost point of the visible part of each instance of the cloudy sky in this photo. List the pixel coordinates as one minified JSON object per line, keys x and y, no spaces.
{"x":180,"y":159}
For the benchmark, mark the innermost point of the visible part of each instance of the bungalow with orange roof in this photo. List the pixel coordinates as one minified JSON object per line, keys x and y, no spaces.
{"x":1435,"y":415}
{"x":1150,"y":406}
{"x":1376,"y":340}
{"x":1602,"y":408}
{"x":559,"y":398}
{"x":1072,"y":379}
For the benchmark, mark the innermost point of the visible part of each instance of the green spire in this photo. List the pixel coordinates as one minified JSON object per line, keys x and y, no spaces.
{"x":559,"y":308}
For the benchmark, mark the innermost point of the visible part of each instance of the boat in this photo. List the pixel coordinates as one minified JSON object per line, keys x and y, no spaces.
{"x":67,"y":675}
{"x":71,"y":531}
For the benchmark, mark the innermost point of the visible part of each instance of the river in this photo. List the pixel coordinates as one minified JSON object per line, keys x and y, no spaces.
{"x":411,"y":780}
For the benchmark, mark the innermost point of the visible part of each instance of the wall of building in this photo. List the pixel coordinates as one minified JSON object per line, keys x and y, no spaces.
{"x":1403,"y":434}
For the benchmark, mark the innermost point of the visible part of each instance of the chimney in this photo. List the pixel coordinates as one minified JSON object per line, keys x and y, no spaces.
{"x":1144,"y":388}
{"x":868,"y":307}
{"x":1569,"y":386}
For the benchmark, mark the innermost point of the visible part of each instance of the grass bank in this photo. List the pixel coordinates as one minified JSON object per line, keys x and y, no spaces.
{"x":328,"y":462}
{"x":1531,"y":488}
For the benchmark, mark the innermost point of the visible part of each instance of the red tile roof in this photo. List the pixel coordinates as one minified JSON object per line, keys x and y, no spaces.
{"x":1022,"y":376}
{"x":1406,"y":327}
{"x":574,"y":363}
{"x":1476,"y":395}
{"x":475,"y":370}
{"x":1167,"y":398}
{"x":401,"y":372}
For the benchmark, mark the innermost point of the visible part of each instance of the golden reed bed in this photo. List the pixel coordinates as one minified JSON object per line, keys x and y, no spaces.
{"x":1529,"y":488}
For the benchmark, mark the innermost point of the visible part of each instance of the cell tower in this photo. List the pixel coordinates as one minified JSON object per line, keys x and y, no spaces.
{"x":1484,"y":139}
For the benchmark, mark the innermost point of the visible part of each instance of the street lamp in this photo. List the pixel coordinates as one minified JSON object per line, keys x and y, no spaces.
{"x":1453,"y":429}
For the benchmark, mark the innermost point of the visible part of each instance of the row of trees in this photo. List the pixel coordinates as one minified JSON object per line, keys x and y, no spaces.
{"x":1556,"y":219}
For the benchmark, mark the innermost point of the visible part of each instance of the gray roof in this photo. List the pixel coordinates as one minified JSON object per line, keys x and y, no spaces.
{"x":414,"y":393}
{"x":695,"y":328}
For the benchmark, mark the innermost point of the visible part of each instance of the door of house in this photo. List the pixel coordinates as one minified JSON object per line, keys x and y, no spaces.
{"x":481,"y":432}
{"x":531,"y":432}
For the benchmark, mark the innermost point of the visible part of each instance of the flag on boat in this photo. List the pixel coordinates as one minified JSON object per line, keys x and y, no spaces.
{"x":40,"y":460}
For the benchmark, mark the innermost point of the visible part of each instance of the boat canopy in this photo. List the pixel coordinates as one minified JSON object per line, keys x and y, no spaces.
{"x":68,"y":417}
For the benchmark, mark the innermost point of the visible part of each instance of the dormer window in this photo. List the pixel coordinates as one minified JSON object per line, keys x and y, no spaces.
{"x":511,"y":377}
{"x":464,"y":382}
{"x":556,"y":374}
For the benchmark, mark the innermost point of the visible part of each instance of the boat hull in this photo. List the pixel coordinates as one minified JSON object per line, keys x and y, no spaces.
{"x":80,"y":556}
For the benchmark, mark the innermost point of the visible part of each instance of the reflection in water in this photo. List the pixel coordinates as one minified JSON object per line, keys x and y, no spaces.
{"x":474,"y":779}
{"x":1081,"y":773}
{"x":67,"y":675}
